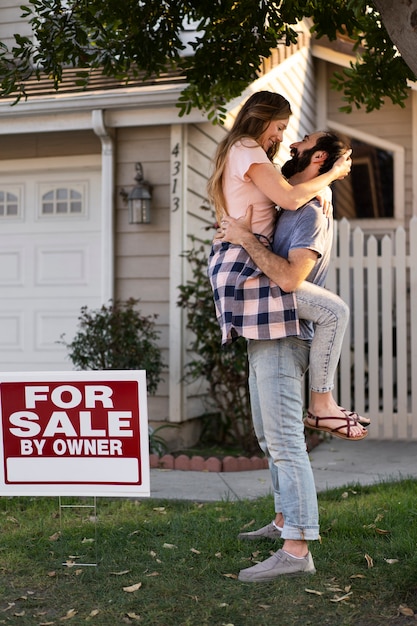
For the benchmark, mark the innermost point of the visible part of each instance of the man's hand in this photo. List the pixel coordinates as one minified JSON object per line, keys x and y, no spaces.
{"x":235,"y":231}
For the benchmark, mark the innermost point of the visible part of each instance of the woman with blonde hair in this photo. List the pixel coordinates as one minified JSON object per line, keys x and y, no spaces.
{"x":247,"y":303}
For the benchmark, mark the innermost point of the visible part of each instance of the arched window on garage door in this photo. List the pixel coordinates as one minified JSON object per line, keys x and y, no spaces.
{"x":63,"y":201}
{"x":10,"y":205}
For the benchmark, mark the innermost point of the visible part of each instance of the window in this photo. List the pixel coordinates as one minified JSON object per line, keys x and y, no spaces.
{"x":62,"y":201}
{"x":369,"y":190}
{"x":9,"y":204}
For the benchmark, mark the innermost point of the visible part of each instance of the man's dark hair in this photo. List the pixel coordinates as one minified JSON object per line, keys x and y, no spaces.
{"x":334,"y":145}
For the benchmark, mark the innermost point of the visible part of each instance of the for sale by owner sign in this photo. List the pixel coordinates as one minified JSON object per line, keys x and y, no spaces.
{"x":74,"y":433}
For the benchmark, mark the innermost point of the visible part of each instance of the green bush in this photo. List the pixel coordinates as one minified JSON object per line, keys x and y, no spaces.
{"x":117,"y":337}
{"x":225,"y":369}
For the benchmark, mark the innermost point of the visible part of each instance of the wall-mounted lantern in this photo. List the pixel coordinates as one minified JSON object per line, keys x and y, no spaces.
{"x":139,"y":199}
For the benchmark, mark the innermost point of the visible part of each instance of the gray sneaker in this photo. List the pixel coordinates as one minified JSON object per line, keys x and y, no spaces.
{"x":266,"y":532}
{"x":279,"y":564}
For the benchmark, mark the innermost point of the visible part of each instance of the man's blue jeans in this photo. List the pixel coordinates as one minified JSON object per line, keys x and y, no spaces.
{"x":276,"y":369}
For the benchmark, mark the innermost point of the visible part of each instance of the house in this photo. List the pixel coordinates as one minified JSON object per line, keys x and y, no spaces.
{"x":66,"y":158}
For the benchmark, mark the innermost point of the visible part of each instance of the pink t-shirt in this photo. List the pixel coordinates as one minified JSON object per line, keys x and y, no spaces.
{"x":239,"y":191}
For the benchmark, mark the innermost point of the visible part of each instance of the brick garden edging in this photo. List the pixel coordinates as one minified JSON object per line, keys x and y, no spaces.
{"x":212,"y":464}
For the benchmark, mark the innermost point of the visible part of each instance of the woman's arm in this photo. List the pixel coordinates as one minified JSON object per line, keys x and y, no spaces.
{"x":272,"y":183}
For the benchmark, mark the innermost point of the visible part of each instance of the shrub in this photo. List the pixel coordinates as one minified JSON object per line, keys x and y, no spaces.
{"x":225,"y":369}
{"x":117,"y":337}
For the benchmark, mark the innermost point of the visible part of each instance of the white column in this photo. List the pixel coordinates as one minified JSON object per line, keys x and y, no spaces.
{"x":178,"y":221}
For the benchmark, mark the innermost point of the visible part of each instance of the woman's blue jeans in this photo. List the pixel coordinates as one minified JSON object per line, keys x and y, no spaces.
{"x":276,"y":369}
{"x":330,"y":315}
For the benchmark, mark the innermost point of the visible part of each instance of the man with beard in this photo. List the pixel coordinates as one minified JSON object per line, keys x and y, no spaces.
{"x":300,"y":252}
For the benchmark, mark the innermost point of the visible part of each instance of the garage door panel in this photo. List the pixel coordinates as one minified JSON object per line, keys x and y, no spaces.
{"x":57,"y":266}
{"x":11,"y":331}
{"x":12,"y":262}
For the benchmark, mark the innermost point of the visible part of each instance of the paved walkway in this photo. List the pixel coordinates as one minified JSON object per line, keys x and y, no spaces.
{"x":335,"y":463}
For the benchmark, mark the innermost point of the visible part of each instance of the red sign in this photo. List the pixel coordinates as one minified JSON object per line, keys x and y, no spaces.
{"x":74,"y":433}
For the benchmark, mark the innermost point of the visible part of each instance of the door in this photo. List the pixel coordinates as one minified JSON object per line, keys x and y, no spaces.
{"x":50,"y":258}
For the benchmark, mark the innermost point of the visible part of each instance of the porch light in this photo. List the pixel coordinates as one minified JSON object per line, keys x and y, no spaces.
{"x":139,"y":199}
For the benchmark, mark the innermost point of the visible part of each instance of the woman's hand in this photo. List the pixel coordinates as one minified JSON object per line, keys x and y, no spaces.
{"x":325,"y":199}
{"x":342,"y":166}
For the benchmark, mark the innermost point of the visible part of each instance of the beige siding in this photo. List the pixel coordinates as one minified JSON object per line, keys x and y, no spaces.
{"x":142,"y":250}
{"x":37,"y":145}
{"x":202,"y":140}
{"x":11,"y":22}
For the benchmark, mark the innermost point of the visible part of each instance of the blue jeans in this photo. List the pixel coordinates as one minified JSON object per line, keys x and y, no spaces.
{"x":276,"y":369}
{"x":330,"y":315}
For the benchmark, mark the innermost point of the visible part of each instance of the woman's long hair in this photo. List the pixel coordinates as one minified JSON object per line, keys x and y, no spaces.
{"x":252,"y":120}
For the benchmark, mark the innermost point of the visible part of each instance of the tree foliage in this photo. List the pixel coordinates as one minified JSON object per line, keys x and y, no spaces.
{"x":142,"y":38}
{"x":225,"y":370}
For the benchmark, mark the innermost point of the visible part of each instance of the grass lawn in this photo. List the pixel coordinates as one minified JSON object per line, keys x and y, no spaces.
{"x":168,"y":563}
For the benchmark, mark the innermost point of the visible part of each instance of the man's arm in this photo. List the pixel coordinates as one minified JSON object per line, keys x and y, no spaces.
{"x":286,"y":273}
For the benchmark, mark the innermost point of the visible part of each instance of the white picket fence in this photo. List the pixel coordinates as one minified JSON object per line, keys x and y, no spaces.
{"x":378,"y":367}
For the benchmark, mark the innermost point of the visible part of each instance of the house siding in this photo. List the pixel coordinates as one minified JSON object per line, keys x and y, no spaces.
{"x":38,"y":145}
{"x":11,"y":22}
{"x":142,"y":250}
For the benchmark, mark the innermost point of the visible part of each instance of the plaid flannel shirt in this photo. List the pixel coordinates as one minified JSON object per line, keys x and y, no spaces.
{"x":248,"y":304}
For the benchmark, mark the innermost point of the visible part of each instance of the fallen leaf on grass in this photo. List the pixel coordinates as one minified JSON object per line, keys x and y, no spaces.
{"x":10,"y":606}
{"x":381,"y":531}
{"x":121,"y":573}
{"x":317,"y":593}
{"x":391,"y":561}
{"x":264,"y":606}
{"x":358,"y":576}
{"x":345,"y":494}
{"x":224,"y":519}
{"x":69,"y":615}
{"x":195,"y":551}
{"x":85,"y":540}
{"x":94,"y":612}
{"x":218,"y":555}
{"x":169,"y":545}
{"x":51,"y":574}
{"x":230,"y":576}
{"x":159,"y":509}
{"x":341,"y":598}
{"x":133,"y":616}
{"x":132,"y":588}
{"x":249,"y":524}
{"x":223,"y":604}
{"x":405,"y":610}
{"x":153,"y":574}
{"x":55,"y":536}
{"x":46,"y":623}
{"x":369,"y":561}
{"x":21,"y":614}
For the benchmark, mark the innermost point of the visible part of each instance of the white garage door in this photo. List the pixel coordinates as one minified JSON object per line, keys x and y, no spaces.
{"x":50,"y":254}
